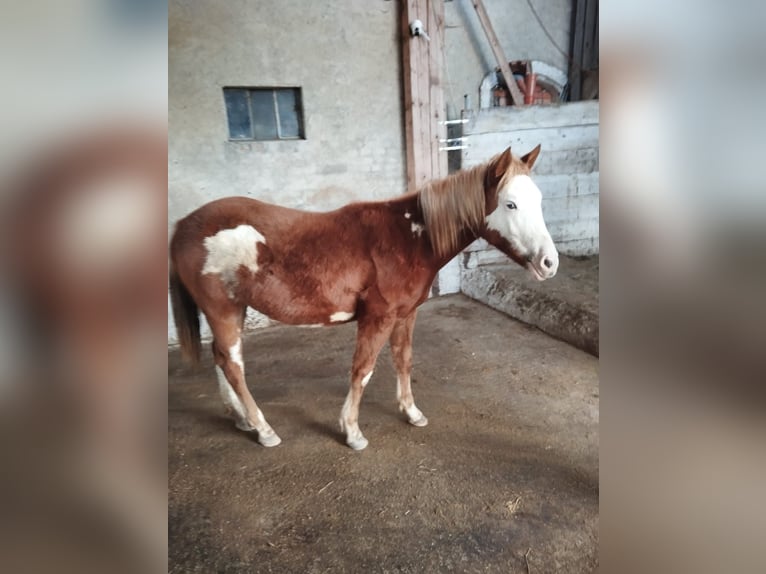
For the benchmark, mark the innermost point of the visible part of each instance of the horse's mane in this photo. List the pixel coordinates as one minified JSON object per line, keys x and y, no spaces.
{"x":451,"y":205}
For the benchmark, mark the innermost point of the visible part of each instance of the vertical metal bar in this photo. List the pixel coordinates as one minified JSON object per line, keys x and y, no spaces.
{"x":250,"y":114}
{"x":276,"y":113}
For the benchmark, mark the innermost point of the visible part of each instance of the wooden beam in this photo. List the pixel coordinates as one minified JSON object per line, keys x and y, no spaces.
{"x":424,"y":108}
{"x":435,"y":28}
{"x":578,"y":42}
{"x":497,"y":50}
{"x":410,"y":88}
{"x":422,"y":142}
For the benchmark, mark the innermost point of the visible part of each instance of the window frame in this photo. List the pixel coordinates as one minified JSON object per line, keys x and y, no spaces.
{"x":298,"y":93}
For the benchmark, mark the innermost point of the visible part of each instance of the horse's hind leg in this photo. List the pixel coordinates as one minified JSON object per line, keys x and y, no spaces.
{"x":230,"y":369}
{"x":401,"y":350}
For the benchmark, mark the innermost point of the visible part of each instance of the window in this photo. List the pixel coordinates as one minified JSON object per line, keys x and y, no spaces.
{"x":264,"y":113}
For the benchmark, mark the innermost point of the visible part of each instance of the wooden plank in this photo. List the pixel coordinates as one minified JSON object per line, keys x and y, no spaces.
{"x":484,"y":146}
{"x":578,"y":40}
{"x":555,"y":162}
{"x":533,"y":117}
{"x":420,"y":47}
{"x":407,"y":9}
{"x":590,"y":36}
{"x":581,"y":160}
{"x":423,"y":92}
{"x":567,"y":185}
{"x":497,"y":50}
{"x":435,"y":28}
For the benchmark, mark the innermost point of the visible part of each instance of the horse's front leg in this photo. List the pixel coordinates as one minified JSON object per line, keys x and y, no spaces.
{"x":401,"y":350}
{"x":371,"y":335}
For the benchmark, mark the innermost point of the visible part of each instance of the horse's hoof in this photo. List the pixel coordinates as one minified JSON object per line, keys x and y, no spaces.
{"x":358,"y":443}
{"x":244,"y":426}
{"x":421,"y":422}
{"x":269,"y":439}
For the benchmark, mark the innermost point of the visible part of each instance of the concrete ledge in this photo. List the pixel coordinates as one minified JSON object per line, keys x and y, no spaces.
{"x":565,"y":307}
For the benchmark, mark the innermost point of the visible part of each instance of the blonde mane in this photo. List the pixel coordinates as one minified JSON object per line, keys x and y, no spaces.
{"x":451,"y":205}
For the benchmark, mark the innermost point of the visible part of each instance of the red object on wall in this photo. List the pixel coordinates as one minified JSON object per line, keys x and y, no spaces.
{"x":529,"y":93}
{"x":535,"y":91}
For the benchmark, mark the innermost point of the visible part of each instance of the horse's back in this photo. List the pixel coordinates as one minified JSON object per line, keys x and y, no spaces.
{"x":230,"y":212}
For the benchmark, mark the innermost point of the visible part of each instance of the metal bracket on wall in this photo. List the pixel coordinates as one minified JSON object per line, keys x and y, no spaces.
{"x":450,"y":146}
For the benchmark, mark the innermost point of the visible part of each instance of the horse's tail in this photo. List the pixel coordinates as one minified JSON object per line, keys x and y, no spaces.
{"x":186,"y":316}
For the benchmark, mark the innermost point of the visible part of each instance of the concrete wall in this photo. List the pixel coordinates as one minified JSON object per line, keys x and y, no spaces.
{"x":566,"y":171}
{"x":345,"y":56}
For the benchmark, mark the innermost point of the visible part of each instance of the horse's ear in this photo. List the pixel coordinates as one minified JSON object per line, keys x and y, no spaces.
{"x":531,"y":157}
{"x":503,"y":163}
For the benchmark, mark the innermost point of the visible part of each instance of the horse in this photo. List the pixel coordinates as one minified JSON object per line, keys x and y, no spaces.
{"x":369,"y":262}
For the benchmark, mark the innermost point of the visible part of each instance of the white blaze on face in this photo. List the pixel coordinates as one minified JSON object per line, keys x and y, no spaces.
{"x":230,"y":248}
{"x":340,"y":316}
{"x":417,"y":228}
{"x":518,"y":217}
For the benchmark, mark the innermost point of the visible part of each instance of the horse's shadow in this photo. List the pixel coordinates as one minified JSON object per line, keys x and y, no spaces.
{"x":298,"y":417}
{"x":303,"y":419}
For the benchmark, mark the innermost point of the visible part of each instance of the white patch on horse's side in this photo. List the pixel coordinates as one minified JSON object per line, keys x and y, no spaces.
{"x":230,"y":398}
{"x":340,"y":316}
{"x":230,"y":248}
{"x":407,"y":215}
{"x":417,"y":228}
{"x":366,"y":379}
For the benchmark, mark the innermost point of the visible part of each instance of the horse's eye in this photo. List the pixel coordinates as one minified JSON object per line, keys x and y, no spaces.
{"x":510,"y":205}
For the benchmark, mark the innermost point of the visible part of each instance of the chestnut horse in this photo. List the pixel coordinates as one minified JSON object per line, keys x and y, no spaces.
{"x":369,"y":262}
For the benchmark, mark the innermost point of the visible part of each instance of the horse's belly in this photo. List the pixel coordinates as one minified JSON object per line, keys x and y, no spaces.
{"x":304,"y":303}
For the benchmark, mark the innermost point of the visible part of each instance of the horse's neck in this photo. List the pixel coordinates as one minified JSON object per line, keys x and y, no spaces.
{"x":433,"y":260}
{"x":466,"y":238}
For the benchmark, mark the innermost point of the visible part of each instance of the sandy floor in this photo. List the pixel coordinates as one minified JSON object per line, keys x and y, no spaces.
{"x":503,"y":479}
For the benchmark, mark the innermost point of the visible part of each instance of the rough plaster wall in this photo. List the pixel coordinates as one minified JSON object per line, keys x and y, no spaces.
{"x":469,"y":57}
{"x":344,"y":55}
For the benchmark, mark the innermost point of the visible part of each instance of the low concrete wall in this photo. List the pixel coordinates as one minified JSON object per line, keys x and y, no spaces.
{"x":565,"y":307}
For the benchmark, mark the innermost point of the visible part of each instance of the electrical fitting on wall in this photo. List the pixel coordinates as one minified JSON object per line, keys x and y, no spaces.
{"x":417,"y":29}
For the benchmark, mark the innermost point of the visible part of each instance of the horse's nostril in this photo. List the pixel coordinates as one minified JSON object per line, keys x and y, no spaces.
{"x":548,"y":263}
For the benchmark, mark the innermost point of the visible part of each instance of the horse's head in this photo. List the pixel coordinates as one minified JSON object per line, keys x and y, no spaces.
{"x":514,"y":222}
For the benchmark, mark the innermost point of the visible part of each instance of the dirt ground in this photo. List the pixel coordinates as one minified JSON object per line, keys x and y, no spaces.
{"x":503,"y":479}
